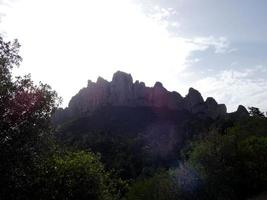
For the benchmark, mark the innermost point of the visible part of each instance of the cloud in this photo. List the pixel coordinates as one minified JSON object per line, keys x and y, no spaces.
{"x":235,"y":87}
{"x":4,"y":6}
{"x":81,"y":40}
{"x":67,"y":42}
{"x":3,"y":2}
{"x":220,"y":45}
{"x":161,"y":14}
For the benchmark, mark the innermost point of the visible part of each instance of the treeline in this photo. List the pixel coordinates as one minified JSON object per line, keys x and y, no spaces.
{"x":32,"y":164}
{"x":229,"y":161}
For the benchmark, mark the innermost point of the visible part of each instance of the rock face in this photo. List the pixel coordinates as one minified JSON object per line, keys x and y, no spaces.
{"x":241,"y":113}
{"x":214,"y":110}
{"x":121,"y":91}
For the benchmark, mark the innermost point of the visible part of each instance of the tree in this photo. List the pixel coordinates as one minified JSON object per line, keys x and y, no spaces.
{"x":255,"y":112}
{"x":75,"y":175}
{"x":25,"y":130}
{"x":158,"y":187}
{"x":32,"y":166}
{"x":233,"y":166}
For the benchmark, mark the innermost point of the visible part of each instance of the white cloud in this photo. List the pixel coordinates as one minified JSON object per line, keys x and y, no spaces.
{"x":67,"y":42}
{"x":220,"y":45}
{"x":235,"y":87}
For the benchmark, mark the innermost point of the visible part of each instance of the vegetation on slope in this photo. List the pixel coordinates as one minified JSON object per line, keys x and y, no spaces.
{"x":122,"y":153}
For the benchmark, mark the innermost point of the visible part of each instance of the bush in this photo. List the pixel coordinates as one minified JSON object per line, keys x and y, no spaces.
{"x":158,"y":187}
{"x":232,"y":166}
{"x":76,"y":175}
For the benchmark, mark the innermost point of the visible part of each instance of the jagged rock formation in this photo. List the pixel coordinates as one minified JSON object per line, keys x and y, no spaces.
{"x":241,"y":113}
{"x":121,"y":91}
{"x":109,"y":117}
{"x":214,"y":109}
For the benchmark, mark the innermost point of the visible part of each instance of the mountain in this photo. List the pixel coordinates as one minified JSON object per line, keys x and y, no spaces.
{"x":122,"y":92}
{"x":135,"y":127}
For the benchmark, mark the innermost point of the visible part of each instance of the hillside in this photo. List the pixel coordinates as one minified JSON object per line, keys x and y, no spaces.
{"x":151,"y":124}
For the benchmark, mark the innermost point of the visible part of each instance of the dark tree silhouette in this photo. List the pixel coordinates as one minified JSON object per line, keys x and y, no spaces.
{"x":25,"y":111}
{"x":253,"y":111}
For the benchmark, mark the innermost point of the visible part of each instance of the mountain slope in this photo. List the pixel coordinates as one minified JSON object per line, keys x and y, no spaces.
{"x":134,"y":126}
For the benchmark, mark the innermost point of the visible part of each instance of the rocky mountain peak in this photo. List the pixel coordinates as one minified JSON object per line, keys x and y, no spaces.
{"x":101,"y":81}
{"x":242,"y":111}
{"x":215,"y":110}
{"x":121,"y":91}
{"x":195,"y":95}
{"x":158,"y":85}
{"x":211,"y":101}
{"x":242,"y":108}
{"x":120,"y":77}
{"x":89,"y":82}
{"x":194,"y":101}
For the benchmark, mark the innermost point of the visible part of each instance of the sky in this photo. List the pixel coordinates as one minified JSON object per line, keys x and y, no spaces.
{"x":216,"y":47}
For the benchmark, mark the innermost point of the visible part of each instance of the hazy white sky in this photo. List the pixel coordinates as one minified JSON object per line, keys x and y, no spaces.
{"x":67,"y":42}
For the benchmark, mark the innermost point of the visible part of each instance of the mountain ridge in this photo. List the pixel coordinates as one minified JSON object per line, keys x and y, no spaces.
{"x":151,"y":124}
{"x":122,"y":91}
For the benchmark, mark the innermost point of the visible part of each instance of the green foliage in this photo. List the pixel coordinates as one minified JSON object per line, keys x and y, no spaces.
{"x":251,"y":126}
{"x":120,"y":152}
{"x":25,"y":131}
{"x":8,"y":59}
{"x":233,"y":166}
{"x":30,"y":168}
{"x":77,"y":175}
{"x":253,"y":152}
{"x":230,"y":163}
{"x":158,"y":187}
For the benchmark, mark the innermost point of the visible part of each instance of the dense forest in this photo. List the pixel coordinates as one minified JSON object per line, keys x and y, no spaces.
{"x":128,"y":153}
